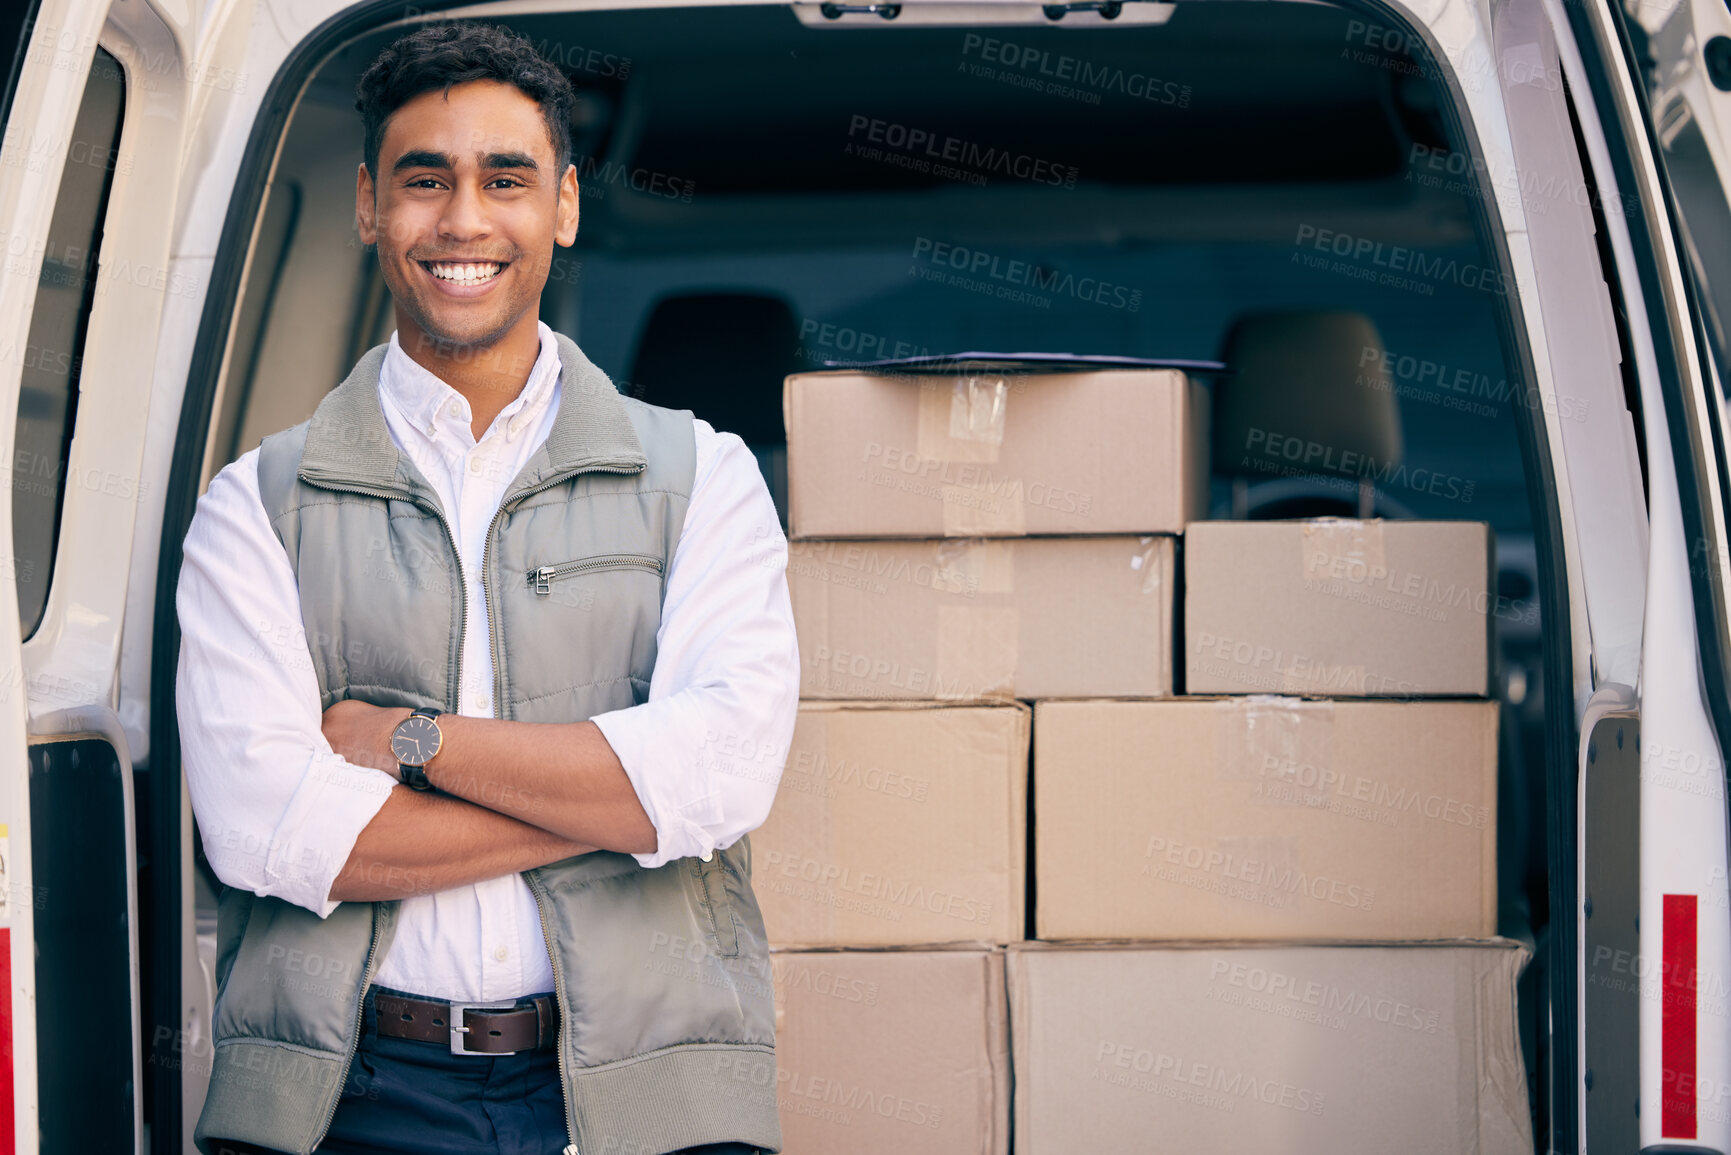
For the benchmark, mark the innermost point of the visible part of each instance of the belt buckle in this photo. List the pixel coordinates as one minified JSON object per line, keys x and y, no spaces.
{"x":460,"y":1025}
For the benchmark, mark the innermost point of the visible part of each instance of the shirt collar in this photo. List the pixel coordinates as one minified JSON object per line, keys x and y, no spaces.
{"x":430,"y":405}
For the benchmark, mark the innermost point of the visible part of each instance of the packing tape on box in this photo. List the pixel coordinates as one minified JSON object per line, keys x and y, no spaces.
{"x":1341,"y":549}
{"x":977,"y":652}
{"x":970,"y":566}
{"x":977,"y":408}
{"x":1284,"y":746}
{"x":961,"y":418}
{"x":961,"y":423}
{"x":1147,"y":563}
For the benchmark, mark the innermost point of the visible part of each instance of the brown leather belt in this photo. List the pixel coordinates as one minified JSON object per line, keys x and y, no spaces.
{"x":498,"y":1028}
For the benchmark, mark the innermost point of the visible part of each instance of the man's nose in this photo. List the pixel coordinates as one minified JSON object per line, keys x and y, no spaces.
{"x":465,"y":215}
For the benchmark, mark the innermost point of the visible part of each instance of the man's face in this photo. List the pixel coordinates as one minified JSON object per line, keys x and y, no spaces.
{"x":465,"y":212}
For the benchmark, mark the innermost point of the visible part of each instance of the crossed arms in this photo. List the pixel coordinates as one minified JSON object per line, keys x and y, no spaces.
{"x":515,"y":795}
{"x":292,"y":802}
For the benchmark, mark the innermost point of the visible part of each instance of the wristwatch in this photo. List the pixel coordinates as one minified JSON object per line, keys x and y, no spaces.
{"x":414,"y":742}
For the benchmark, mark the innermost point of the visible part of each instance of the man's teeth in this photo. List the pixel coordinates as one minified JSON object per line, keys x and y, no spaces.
{"x":465,"y":274}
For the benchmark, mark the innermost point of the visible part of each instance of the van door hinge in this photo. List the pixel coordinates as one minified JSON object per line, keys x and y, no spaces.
{"x":837,"y":11}
{"x":1108,"y":9}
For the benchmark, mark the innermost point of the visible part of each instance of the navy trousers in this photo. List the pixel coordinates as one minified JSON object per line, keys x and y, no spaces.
{"x":406,"y":1097}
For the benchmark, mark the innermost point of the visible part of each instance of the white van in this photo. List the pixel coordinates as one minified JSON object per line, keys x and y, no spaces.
{"x":1526,"y":198}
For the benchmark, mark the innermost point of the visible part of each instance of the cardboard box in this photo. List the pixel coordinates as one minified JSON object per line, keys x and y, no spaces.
{"x":897,"y":825}
{"x":979,"y":618}
{"x":995,"y":454}
{"x":903,"y":1051}
{"x":1339,"y":607}
{"x":1307,"y":1051}
{"x":1265,"y":818}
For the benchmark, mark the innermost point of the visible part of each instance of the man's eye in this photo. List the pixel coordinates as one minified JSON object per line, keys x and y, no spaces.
{"x":507,"y":182}
{"x":424,"y":182}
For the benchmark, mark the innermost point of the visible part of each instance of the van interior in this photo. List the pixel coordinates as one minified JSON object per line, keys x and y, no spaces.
{"x":764,"y":193}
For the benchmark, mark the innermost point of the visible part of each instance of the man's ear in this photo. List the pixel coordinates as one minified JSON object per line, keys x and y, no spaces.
{"x":565,"y":230}
{"x":366,"y":207}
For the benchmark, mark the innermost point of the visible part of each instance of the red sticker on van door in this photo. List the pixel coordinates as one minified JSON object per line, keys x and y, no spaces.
{"x":8,"y":1138}
{"x":1677,"y":1020}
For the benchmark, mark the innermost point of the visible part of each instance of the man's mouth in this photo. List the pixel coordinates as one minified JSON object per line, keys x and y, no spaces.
{"x":464,"y":272}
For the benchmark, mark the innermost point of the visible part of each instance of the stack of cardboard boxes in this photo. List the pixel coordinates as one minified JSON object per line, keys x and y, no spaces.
{"x":1324,"y":797}
{"x":969,"y":543}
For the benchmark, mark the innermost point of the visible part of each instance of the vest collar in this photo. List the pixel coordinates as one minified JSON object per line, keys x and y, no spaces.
{"x":348,"y":444}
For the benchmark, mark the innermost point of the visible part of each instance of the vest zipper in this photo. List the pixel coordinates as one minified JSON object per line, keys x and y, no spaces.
{"x":360,"y":1017}
{"x":542,"y":579}
{"x":498,"y":701}
{"x":564,"y":1010}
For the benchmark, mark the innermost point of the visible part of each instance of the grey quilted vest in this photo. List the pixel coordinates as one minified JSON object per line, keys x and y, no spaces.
{"x":668,"y":1031}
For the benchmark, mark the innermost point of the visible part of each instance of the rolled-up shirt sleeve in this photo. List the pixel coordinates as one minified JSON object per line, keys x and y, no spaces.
{"x":278,"y":810}
{"x":705,"y":751}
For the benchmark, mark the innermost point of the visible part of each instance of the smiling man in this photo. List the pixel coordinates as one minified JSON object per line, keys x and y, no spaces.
{"x":460,"y":657}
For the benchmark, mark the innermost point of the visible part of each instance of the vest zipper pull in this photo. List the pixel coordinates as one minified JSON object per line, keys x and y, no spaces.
{"x":544,"y":585}
{"x":571,"y":1150}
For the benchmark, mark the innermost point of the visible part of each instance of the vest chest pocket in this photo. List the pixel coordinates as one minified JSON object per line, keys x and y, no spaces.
{"x":717,"y":906}
{"x":541,"y":580}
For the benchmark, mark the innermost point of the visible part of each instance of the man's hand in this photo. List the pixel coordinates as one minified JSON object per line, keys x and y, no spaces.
{"x":361,"y":732}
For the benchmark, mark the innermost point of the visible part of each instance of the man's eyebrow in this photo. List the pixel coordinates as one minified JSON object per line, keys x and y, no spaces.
{"x":424,"y":158}
{"x":509,"y":160}
{"x":421,"y":158}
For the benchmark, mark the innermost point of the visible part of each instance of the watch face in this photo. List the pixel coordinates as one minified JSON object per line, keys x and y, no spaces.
{"x":415,"y":740}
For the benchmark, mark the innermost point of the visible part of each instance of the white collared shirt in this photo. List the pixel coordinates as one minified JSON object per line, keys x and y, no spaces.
{"x":279,"y":811}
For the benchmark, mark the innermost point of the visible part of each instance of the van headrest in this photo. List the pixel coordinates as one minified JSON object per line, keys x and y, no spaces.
{"x":722,"y":355}
{"x":1305,"y":392}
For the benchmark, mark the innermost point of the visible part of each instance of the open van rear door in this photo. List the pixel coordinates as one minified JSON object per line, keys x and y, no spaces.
{"x":41,"y":103}
{"x":1655,"y":949}
{"x":87,"y":275}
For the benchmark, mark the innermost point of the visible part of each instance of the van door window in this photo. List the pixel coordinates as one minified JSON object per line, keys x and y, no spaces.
{"x":65,"y":292}
{"x":1684,"y":58}
{"x":14,"y":37}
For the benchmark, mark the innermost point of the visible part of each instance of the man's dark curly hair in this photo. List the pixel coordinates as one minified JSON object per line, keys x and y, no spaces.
{"x":449,"y":53}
